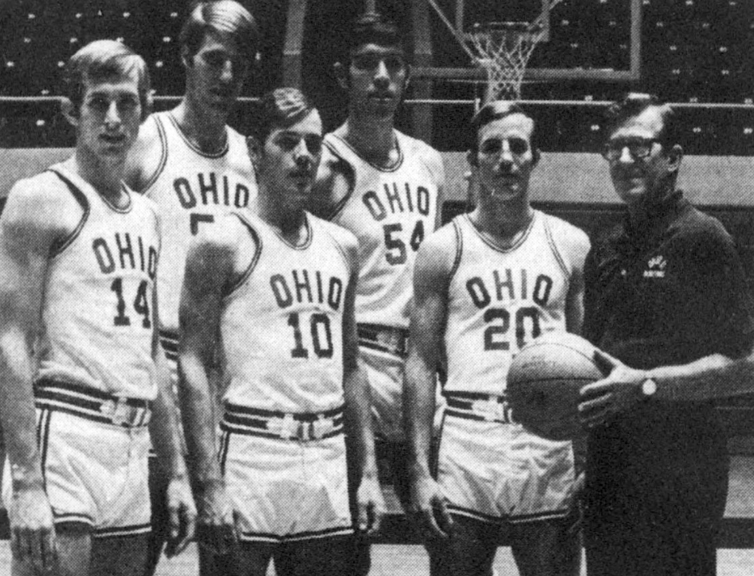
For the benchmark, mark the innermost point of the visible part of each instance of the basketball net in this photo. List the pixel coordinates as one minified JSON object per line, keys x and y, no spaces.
{"x":502,"y":49}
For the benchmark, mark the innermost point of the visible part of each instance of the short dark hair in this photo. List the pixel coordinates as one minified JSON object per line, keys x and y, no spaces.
{"x":223,"y":16}
{"x":101,"y":60}
{"x":374,"y":28}
{"x":280,"y":108}
{"x":495,"y":110}
{"x":633,"y":104}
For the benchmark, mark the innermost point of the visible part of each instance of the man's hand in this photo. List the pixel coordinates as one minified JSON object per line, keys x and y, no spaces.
{"x":371,"y":505}
{"x":429,"y":510}
{"x":32,"y":528}
{"x":215,"y":525}
{"x":612,"y":395}
{"x":182,"y":513}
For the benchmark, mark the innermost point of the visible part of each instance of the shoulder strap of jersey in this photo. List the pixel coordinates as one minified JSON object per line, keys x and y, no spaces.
{"x":62,"y":243}
{"x":554,"y":245}
{"x":233,"y":286}
{"x":164,"y":150}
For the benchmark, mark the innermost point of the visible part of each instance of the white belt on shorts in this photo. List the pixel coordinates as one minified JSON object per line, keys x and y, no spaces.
{"x":92,"y":404}
{"x":477,"y":406}
{"x":302,"y":427}
{"x":383,"y":338}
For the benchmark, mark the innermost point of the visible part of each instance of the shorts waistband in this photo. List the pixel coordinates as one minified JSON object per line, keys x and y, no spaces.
{"x":383,"y":338}
{"x":92,"y":404}
{"x":299,"y":426}
{"x":169,"y":341}
{"x":478,"y":406}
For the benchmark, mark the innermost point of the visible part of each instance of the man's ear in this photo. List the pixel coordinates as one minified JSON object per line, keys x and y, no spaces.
{"x":674,"y":156}
{"x":536,"y":155}
{"x":185,"y":59}
{"x":341,"y":74}
{"x":407,"y":80}
{"x":69,"y":112}
{"x":472,"y":159}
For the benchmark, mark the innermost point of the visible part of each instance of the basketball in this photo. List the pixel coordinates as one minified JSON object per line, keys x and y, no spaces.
{"x":544,"y":382}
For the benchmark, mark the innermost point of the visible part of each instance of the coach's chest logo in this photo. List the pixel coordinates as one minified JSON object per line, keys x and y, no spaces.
{"x":656,"y":267}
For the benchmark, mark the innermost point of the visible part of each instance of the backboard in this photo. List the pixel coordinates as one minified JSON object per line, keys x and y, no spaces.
{"x":583,"y":39}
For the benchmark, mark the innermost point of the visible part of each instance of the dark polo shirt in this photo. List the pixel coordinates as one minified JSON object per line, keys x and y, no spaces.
{"x":669,"y":292}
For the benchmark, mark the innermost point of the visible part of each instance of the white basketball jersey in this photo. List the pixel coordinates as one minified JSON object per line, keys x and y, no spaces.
{"x":499,"y":300}
{"x":390,"y":211}
{"x":97,"y":327}
{"x":191,"y":188}
{"x":282,"y":325}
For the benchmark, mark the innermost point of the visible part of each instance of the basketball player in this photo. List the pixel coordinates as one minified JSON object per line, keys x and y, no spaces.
{"x":279,"y":291}
{"x":664,"y":287}
{"x":81,"y":370}
{"x":194,"y":166}
{"x":386,"y":188}
{"x":485,"y":285}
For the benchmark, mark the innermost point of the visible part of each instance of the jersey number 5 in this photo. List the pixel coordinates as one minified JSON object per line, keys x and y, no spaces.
{"x":396,"y":247}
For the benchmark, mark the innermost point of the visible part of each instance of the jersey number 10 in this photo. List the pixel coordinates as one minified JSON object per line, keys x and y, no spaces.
{"x":319,"y":326}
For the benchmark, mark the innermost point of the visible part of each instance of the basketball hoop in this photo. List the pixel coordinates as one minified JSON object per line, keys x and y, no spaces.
{"x":503,"y":50}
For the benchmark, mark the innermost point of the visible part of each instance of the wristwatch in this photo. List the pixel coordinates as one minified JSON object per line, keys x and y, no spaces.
{"x":648,"y":389}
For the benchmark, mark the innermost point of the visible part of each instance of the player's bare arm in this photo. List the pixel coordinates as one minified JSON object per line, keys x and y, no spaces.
{"x":371,"y":505}
{"x":36,"y":218}
{"x":165,"y":433}
{"x":335,"y":180}
{"x":213,"y":264}
{"x":432,"y":273}
{"x":145,"y":157}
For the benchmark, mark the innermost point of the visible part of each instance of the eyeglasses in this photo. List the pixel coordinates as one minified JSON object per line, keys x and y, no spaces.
{"x":638,"y":148}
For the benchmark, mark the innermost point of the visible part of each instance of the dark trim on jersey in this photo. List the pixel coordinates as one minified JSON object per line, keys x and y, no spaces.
{"x":43,"y":442}
{"x":121,"y":531}
{"x":196,"y":149}
{"x":340,"y":204}
{"x":382,"y":169}
{"x":163,"y":157}
{"x":459,"y":250}
{"x":510,"y":519}
{"x":434,"y":464}
{"x":227,"y":291}
{"x":554,"y":248}
{"x":306,"y":243}
{"x":60,"y":245}
{"x":500,"y":249}
{"x":296,"y":536}
{"x":104,"y":199}
{"x":71,"y":518}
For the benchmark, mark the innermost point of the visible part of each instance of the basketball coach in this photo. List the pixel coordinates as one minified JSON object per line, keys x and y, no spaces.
{"x":665,"y":287}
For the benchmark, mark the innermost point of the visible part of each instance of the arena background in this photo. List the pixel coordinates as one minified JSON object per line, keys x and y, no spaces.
{"x":696,"y":54}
